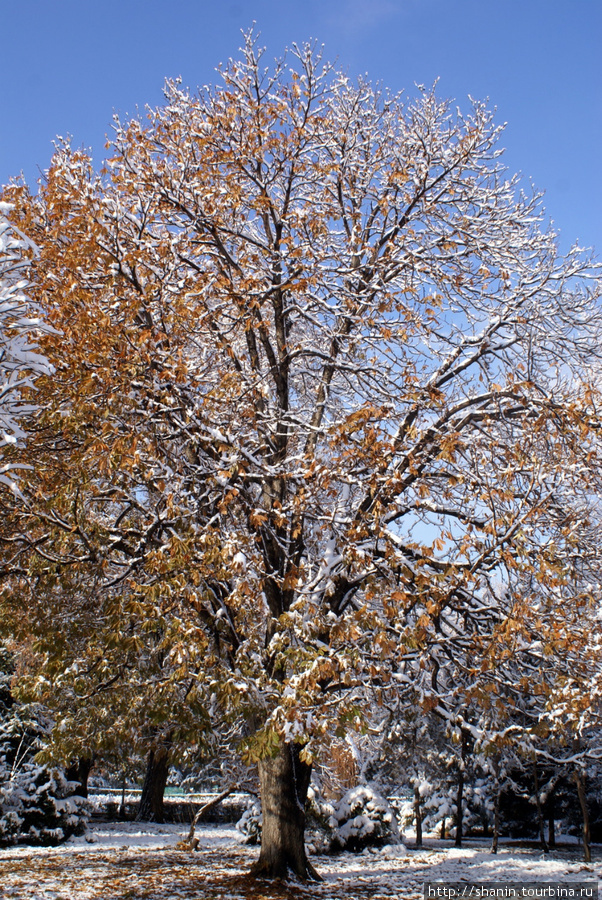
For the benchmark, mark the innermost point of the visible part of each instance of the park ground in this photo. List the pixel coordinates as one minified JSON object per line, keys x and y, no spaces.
{"x":131,"y":861}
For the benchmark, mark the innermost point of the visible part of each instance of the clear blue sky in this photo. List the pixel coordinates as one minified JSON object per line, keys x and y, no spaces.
{"x":67,"y":65}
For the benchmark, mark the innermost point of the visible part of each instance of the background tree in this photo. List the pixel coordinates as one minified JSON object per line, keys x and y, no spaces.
{"x":20,"y":323}
{"x":320,"y":373}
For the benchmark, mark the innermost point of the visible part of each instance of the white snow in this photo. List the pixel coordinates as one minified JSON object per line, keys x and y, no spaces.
{"x":134,"y":860}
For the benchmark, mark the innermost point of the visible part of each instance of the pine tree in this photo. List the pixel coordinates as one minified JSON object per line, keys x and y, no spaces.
{"x":37,"y":804}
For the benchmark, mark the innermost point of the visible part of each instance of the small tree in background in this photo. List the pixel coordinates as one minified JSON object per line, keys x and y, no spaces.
{"x":20,"y":325}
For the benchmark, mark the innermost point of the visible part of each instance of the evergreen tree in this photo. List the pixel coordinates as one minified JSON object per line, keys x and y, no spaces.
{"x":37,"y":803}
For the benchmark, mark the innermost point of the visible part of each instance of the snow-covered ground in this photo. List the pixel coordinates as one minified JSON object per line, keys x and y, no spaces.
{"x":130,"y":861}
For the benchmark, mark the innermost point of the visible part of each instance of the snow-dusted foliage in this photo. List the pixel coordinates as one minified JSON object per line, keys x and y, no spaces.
{"x":20,"y":324}
{"x":38,"y":806}
{"x":362,"y":818}
{"x":249,"y":824}
{"x":37,"y":803}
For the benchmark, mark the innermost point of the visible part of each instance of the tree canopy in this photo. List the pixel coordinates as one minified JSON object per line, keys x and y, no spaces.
{"x":323,"y":419}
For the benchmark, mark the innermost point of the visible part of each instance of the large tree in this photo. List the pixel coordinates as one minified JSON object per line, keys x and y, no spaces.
{"x":320,"y":373}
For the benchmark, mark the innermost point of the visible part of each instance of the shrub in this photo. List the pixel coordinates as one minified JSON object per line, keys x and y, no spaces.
{"x":249,"y":825}
{"x":361,"y":819}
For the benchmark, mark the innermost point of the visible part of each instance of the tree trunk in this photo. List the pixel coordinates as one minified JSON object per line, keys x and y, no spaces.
{"x":497,"y":790}
{"x":460,"y":794}
{"x":284,"y":781}
{"x":459,"y":808}
{"x":496,"y":818}
{"x":418,"y":817}
{"x":78,"y":771}
{"x":551,"y":821}
{"x":193,"y":841}
{"x":122,"y":810}
{"x":153,"y":789}
{"x":542,"y":833}
{"x":580,"y":782}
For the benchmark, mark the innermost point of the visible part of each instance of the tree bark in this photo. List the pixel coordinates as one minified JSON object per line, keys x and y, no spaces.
{"x":418,"y":817}
{"x":551,"y":821}
{"x":79,"y":771}
{"x":284,"y":781}
{"x":542,"y":833}
{"x":459,"y":808}
{"x":122,"y":809}
{"x":153,"y":789}
{"x":460,"y":794}
{"x":580,"y":782}
{"x":211,"y":804}
{"x":497,"y":790}
{"x":496,"y":819}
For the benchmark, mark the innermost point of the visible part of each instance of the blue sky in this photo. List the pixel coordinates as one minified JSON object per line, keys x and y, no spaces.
{"x":67,"y":65}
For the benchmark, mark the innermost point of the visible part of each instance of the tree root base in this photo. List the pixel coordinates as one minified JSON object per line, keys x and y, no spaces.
{"x":283,"y":871}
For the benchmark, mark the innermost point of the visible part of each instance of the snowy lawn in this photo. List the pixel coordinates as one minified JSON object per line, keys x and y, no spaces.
{"x":142,"y":862}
